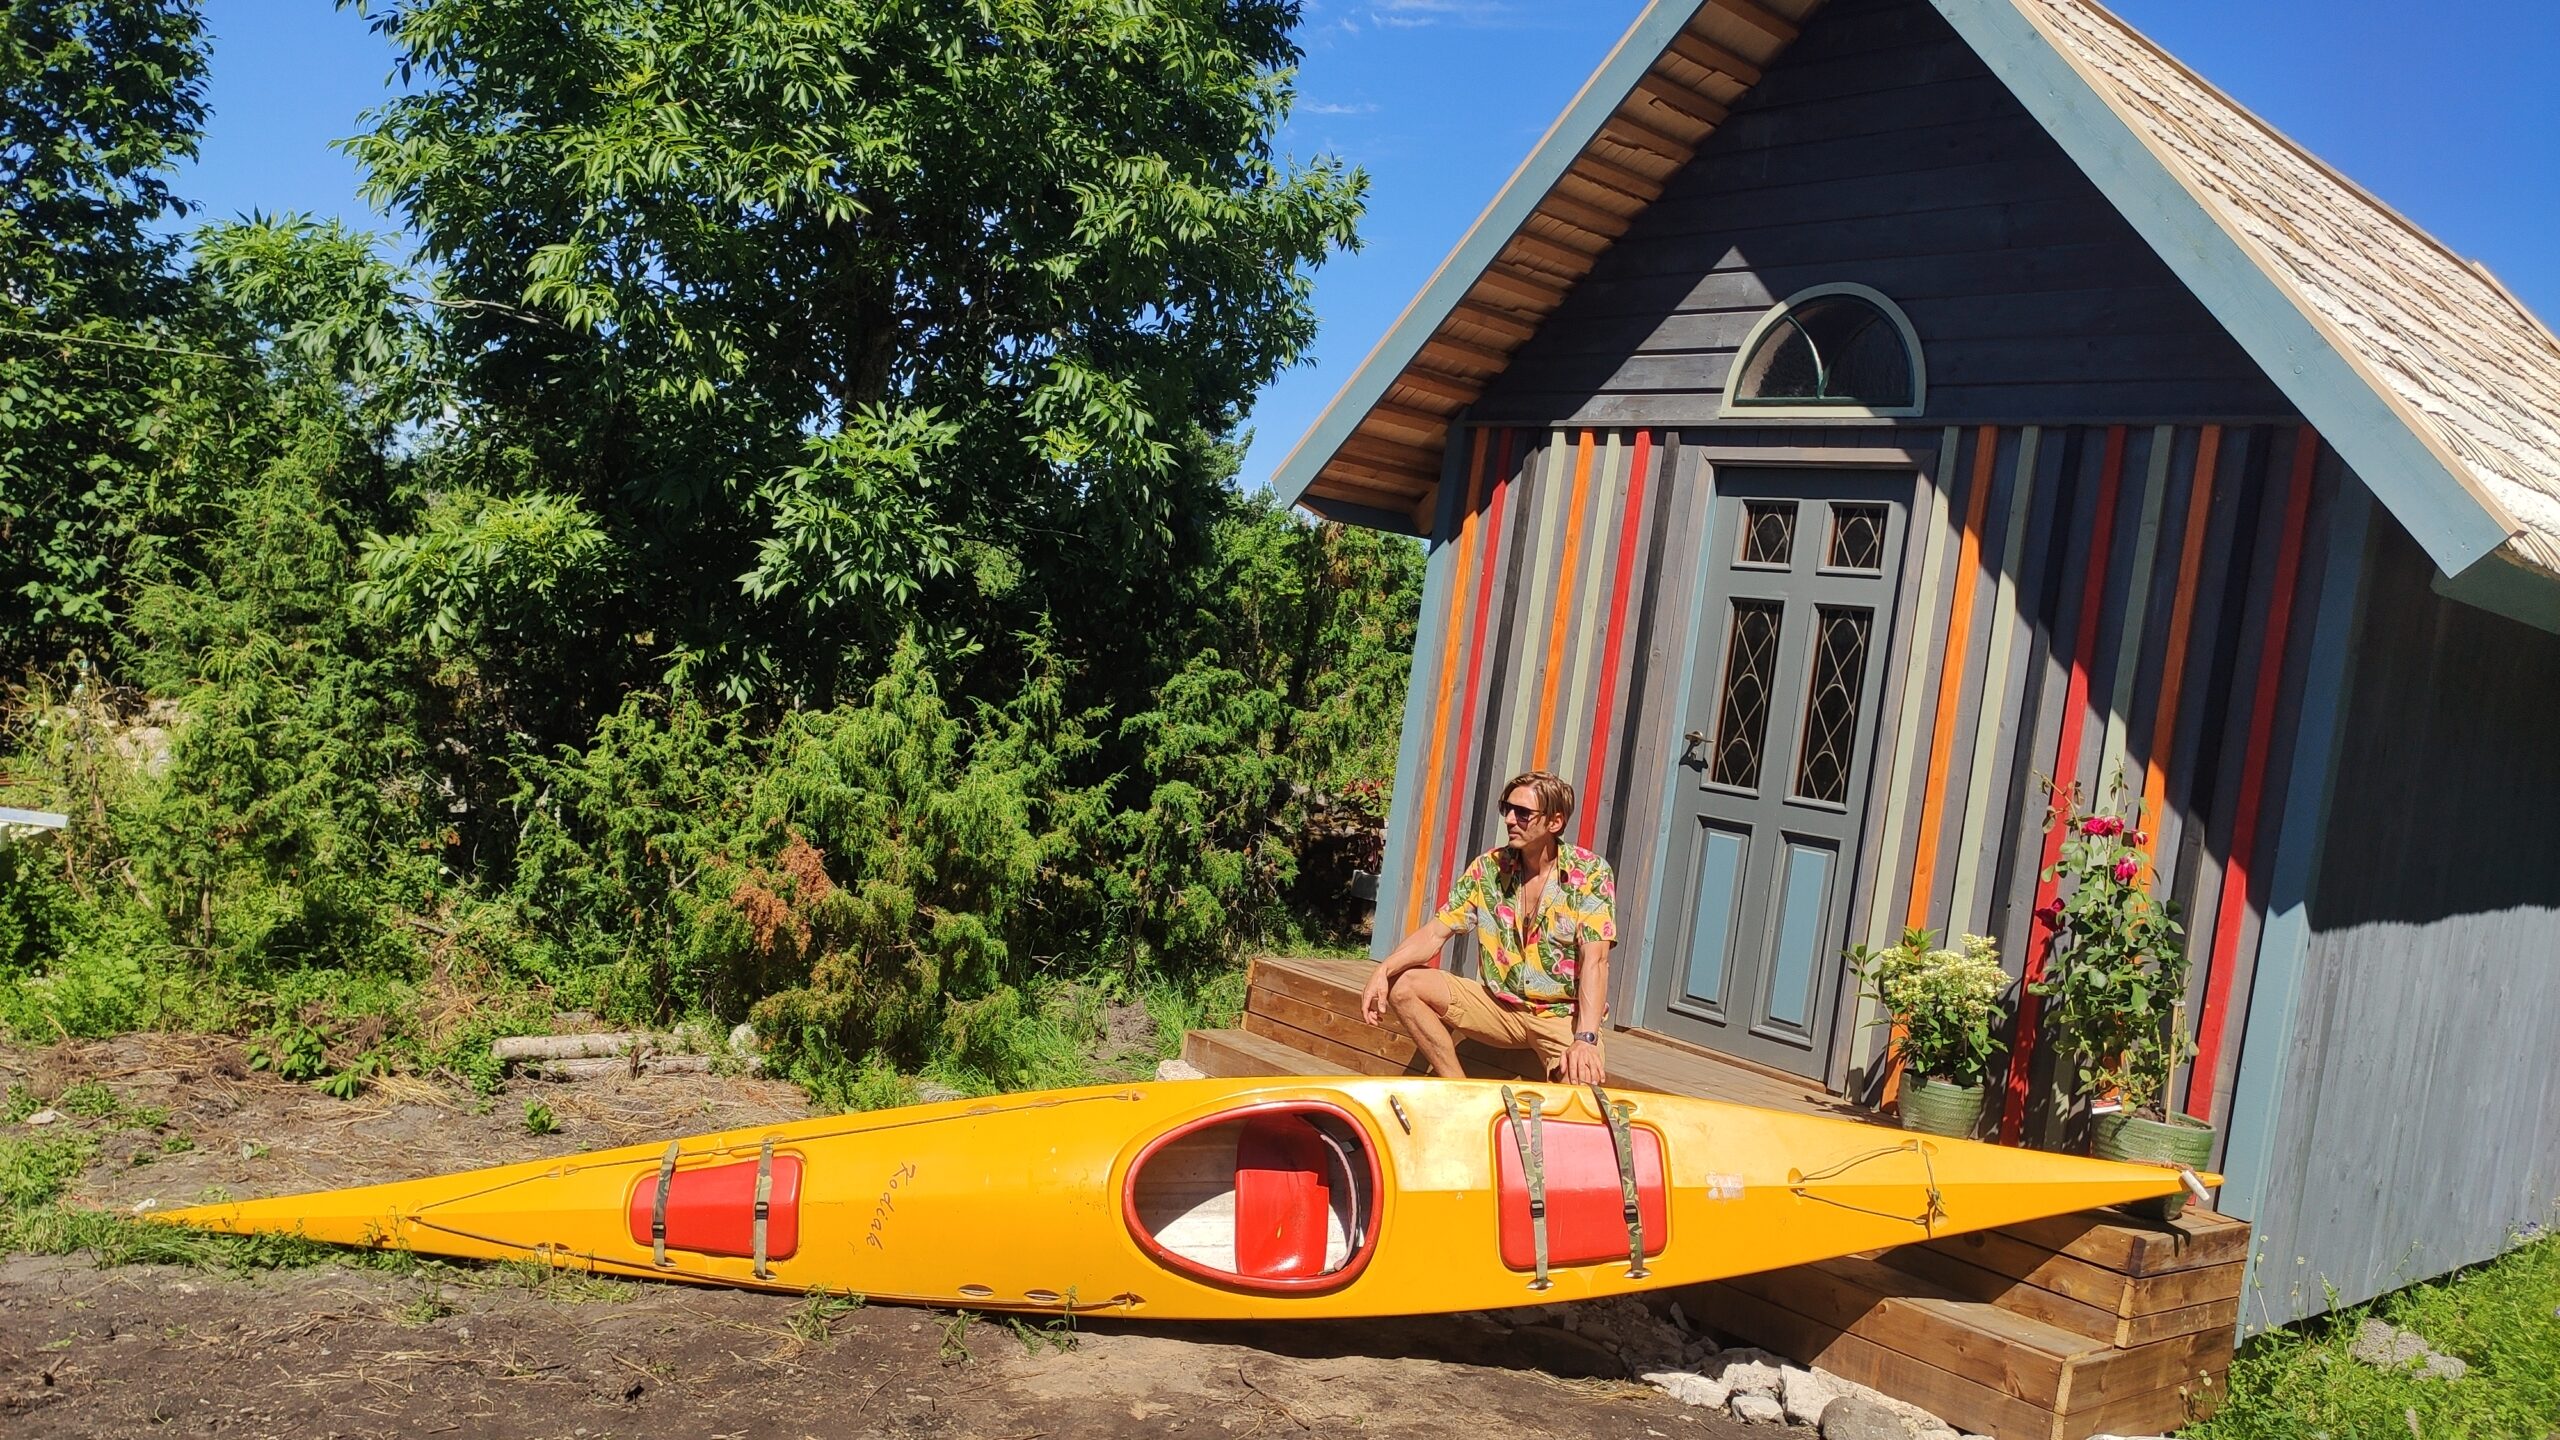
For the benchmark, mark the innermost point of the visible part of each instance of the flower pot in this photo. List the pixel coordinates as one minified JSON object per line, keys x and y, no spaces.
{"x":1941,"y":1107}
{"x":2177,"y":1140}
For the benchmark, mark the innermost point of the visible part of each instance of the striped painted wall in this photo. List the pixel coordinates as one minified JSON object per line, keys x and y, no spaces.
{"x":2079,"y":601}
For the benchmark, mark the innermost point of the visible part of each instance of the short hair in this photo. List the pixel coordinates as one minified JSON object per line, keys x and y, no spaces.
{"x":1555,"y":797}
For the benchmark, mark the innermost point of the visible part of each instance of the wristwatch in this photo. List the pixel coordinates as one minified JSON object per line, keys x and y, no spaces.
{"x":1586,"y":1037}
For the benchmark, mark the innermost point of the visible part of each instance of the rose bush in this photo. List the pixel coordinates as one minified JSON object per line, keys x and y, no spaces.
{"x":2115,"y":979}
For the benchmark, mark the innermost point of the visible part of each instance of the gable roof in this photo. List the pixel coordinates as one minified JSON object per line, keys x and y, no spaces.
{"x":2433,"y":382}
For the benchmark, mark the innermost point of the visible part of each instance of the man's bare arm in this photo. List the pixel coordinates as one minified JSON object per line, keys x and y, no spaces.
{"x":1419,"y":948}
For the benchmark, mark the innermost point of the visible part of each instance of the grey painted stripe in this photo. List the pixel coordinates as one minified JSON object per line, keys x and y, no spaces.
{"x":1579,"y":707}
{"x":1995,"y":686}
{"x":1404,"y":809}
{"x":1883,"y":926}
{"x":2257,"y":1105}
{"x":1537,"y":600}
{"x":2137,"y":607}
{"x":1696,"y":481}
{"x":2421,"y":489}
{"x":1616,"y":78}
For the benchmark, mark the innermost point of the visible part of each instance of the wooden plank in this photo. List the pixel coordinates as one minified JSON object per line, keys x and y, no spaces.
{"x":1993,"y":1288}
{"x":1768,"y":22}
{"x":1448,"y":389}
{"x":1590,"y":219}
{"x":1518,"y":287}
{"x":1701,"y":112}
{"x":1667,"y":151}
{"x":1423,"y":425}
{"x":1708,"y":55}
{"x":1241,"y":1054}
{"x":1509,"y":327}
{"x":2121,"y":1295}
{"x":1982,"y":1343}
{"x":1348,"y":1031}
{"x":1978,"y":817}
{"x":1951,"y":679}
{"x":1615,"y":179}
{"x":1968,"y":1405}
{"x":1387,"y":454}
{"x":1555,"y":256}
{"x":2140,"y":1247}
{"x":1356,"y":1062}
{"x":2157,"y":1413}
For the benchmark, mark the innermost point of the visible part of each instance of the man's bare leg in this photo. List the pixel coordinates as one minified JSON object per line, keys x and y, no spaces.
{"x":1421,"y":998}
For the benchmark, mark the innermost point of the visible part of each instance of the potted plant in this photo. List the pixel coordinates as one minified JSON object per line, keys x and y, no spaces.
{"x":1944,"y":1006}
{"x":2116,"y":983}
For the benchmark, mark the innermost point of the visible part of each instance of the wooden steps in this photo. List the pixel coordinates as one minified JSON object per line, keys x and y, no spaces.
{"x":2056,"y":1329}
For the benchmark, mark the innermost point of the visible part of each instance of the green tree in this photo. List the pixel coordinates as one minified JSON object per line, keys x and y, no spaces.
{"x":821,"y":321}
{"x":99,"y":101}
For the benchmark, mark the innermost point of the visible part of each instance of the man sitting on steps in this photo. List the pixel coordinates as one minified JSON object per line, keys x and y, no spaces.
{"x":1544,"y":914}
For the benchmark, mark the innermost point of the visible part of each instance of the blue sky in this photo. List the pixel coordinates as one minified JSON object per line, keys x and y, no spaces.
{"x":2446,"y":111}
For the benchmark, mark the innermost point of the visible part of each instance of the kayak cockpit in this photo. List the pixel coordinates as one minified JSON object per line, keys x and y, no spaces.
{"x":1275,"y":1198}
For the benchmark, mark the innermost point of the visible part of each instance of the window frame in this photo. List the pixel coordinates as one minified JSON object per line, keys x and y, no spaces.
{"x":1728,"y":406}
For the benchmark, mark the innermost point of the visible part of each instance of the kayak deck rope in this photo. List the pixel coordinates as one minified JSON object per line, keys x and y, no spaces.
{"x":658,"y":1212}
{"x":1531,"y":1136}
{"x":1931,"y":1213}
{"x":1616,"y":1113}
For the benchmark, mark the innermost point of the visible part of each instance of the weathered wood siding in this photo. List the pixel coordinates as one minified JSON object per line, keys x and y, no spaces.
{"x":2419,"y":1125}
{"x":1880,"y":150}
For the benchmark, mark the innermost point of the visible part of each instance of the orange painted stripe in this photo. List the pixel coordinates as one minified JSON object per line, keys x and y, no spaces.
{"x":1553,"y":701}
{"x":2066,"y":779}
{"x":2173,"y":669}
{"x":1942,"y":737}
{"x":1431,"y":809}
{"x":1471,"y":721}
{"x":1637,"y":469}
{"x":2233,"y":908}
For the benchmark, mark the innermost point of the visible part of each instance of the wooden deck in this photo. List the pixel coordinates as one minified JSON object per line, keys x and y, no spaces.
{"x":2057,"y":1329}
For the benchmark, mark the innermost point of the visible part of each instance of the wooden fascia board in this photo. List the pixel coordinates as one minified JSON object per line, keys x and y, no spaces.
{"x":2504,"y":585}
{"x":1367,"y":517}
{"x":1564,"y":143}
{"x":2426,"y":491}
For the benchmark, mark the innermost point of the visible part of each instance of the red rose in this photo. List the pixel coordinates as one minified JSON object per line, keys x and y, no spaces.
{"x":2142,"y":838}
{"x":2126,"y":869}
{"x":2094,"y":825}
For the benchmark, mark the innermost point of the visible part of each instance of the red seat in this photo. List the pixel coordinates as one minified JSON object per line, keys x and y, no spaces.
{"x":712,"y":1210}
{"x":1282,"y":1198}
{"x":1586,"y":1210}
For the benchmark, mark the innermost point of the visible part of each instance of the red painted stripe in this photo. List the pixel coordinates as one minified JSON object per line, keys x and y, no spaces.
{"x":1598,"y":775}
{"x":2233,"y":906}
{"x":2066,"y":769}
{"x":1432,"y":817}
{"x":1470,"y":717}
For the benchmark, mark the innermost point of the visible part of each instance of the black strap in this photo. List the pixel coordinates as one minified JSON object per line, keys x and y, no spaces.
{"x":1531,"y":1136}
{"x":764,"y":1203}
{"x":1616,"y":1113}
{"x":658,"y":1214}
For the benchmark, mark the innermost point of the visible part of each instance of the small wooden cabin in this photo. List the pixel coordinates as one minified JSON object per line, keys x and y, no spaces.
{"x":1854,"y":414}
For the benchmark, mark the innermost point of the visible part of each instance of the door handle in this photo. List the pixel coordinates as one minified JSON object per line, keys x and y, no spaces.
{"x":1689,"y":751}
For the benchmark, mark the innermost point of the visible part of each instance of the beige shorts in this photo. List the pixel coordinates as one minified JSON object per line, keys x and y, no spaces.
{"x":1475,"y":1014}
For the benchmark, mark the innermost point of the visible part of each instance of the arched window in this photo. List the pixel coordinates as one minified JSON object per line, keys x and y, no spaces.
{"x":1833,"y":350}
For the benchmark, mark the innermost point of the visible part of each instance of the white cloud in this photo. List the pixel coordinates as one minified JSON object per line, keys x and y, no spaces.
{"x":1408,"y":14}
{"x":1327,"y":108}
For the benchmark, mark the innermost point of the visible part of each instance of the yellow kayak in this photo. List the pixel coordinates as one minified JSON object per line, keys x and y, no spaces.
{"x":1227,"y":1199}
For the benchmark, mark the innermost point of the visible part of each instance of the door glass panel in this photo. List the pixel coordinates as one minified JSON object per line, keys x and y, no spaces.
{"x":1804,"y":892}
{"x":1720,"y":860}
{"x":1742,"y":723}
{"x":1769,"y":532}
{"x":1857,"y":538}
{"x":1831,"y":702}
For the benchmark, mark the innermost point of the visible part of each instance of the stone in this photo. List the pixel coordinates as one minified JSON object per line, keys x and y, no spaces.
{"x":1178,"y":1069}
{"x":931,"y":1092}
{"x":2388,"y":1347}
{"x":1759,"y":1410}
{"x":2443,"y":1367}
{"x":1806,"y":1393}
{"x":1690,"y":1388}
{"x":1855,"y":1417}
{"x":1747,"y":1371}
{"x":45,"y":1117}
{"x":742,"y":1040}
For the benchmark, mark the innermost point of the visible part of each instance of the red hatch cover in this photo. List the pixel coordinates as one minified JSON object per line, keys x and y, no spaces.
{"x":1586,"y":1209}
{"x":712,"y":1210}
{"x":1281,"y":1198}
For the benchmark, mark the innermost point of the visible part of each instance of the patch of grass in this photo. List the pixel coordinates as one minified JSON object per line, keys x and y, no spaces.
{"x":538,"y":1119}
{"x":2502,"y":1317}
{"x":569,"y":1287}
{"x":1038,"y":1335}
{"x":815,"y":1321}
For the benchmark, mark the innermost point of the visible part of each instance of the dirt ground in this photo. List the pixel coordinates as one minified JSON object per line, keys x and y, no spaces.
{"x":339,"y":1350}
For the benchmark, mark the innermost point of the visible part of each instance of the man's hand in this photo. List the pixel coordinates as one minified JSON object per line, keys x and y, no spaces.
{"x":1582,"y":1064}
{"x":1373,"y":996}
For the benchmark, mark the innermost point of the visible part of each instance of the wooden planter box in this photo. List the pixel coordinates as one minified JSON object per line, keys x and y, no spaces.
{"x":2057,"y":1329}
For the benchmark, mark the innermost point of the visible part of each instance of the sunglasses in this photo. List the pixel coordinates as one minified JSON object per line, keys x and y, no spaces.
{"x":1519,"y":814}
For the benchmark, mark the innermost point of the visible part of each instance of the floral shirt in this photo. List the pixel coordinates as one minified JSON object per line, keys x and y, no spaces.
{"x":1532,"y":965}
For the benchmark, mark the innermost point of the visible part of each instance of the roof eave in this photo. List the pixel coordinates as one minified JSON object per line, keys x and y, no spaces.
{"x":1573,"y":131}
{"x":2456,"y":525}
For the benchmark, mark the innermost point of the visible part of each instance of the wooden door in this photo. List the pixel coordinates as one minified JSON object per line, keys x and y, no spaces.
{"x":1781,"y":726}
